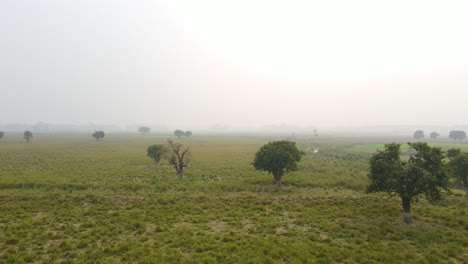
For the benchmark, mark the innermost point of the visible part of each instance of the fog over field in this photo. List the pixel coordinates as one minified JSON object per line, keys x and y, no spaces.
{"x":233,"y":65}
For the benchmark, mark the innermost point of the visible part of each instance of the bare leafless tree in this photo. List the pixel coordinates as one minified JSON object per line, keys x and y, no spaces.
{"x":180,"y":157}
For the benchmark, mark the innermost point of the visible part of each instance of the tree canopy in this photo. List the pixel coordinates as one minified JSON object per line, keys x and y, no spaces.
{"x":188,"y":133}
{"x":434,"y":135}
{"x":278,"y":158}
{"x":457,"y":135}
{"x":156,"y":152}
{"x":418,"y":134}
{"x":180,"y":157}
{"x":423,"y":174}
{"x":98,"y":135}
{"x":458,"y":166}
{"x":144,"y":130}
{"x":179,"y":133}
{"x":27,"y":135}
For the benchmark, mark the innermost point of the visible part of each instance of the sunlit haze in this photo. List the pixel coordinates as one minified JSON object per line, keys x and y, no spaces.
{"x":236,"y":64}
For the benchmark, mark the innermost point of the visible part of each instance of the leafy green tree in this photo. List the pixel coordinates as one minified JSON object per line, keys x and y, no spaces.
{"x":179,"y":133}
{"x":423,"y":173}
{"x":434,"y":135}
{"x":156,"y":152}
{"x":418,"y":134}
{"x":98,"y":135}
{"x":278,"y":158}
{"x":457,"y":135}
{"x":2,"y":134}
{"x":144,"y":130}
{"x":188,"y":133}
{"x":458,"y":166}
{"x":179,"y":157}
{"x":27,"y":136}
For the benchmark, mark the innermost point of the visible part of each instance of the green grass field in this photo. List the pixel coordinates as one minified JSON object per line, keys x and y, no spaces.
{"x":69,"y":199}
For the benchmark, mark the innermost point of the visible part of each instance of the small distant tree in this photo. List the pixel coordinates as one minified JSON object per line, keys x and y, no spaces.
{"x":144,"y":130}
{"x":423,"y":173}
{"x":458,"y":167}
{"x":457,"y":135}
{"x":277,"y":158}
{"x":434,"y":135}
{"x":188,"y":133}
{"x":315,"y":133}
{"x":179,"y":157}
{"x":27,"y":136}
{"x":98,"y":135}
{"x":156,"y":152}
{"x":2,"y":134}
{"x":179,"y":133}
{"x":418,"y":134}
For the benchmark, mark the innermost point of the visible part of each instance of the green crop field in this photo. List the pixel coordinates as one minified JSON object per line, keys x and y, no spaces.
{"x":66,"y":198}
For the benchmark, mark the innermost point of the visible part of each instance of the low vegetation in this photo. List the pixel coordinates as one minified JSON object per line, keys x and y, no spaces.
{"x":65,"y":199}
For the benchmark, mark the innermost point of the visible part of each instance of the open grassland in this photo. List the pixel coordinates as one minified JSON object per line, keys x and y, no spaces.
{"x":67,"y":198}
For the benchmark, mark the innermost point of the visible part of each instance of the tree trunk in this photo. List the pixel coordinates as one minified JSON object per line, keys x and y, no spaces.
{"x":277,"y":177}
{"x":278,"y":182}
{"x":181,"y":173}
{"x":406,"y":202}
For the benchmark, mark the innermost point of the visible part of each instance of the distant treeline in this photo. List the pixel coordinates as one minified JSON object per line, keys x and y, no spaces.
{"x":454,"y":134}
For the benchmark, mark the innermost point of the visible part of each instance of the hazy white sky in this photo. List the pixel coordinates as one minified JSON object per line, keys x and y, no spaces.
{"x":239,"y":63}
